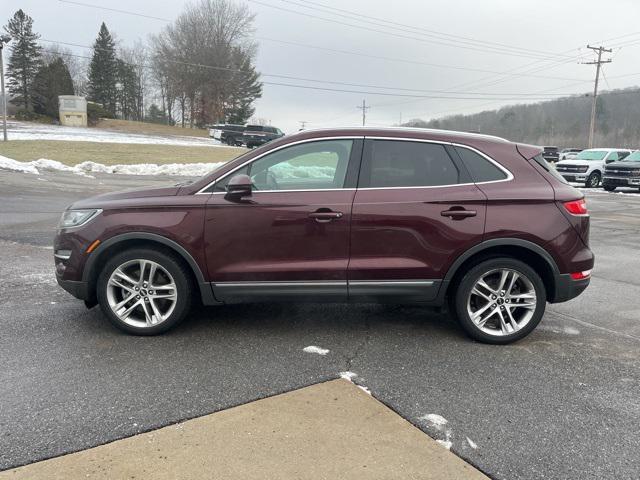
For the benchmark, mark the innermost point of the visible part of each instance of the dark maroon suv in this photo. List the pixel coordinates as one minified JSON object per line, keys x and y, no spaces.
{"x":472,"y":222}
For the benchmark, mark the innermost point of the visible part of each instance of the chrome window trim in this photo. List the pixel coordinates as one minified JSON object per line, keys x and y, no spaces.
{"x":440,"y":142}
{"x":506,"y":171}
{"x":299,"y":142}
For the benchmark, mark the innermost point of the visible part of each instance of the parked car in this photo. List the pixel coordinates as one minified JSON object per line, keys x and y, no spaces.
{"x":360,"y":215}
{"x":588,"y":165}
{"x":568,"y":153}
{"x":256,"y":135}
{"x":550,"y":154}
{"x":624,"y":173}
{"x":226,"y":133}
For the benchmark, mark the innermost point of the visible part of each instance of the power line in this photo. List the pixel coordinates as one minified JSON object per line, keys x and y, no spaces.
{"x":332,"y":50}
{"x":361,"y":27}
{"x":403,"y":60}
{"x":306,"y":79}
{"x":403,"y":27}
{"x":114,"y":10}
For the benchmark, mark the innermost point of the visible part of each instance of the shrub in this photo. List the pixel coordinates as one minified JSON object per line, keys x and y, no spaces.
{"x":95,"y":112}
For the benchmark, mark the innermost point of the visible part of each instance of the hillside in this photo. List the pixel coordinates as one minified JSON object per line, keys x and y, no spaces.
{"x":563,"y":122}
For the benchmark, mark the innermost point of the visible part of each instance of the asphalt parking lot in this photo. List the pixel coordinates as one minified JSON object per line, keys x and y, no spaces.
{"x":562,"y":403}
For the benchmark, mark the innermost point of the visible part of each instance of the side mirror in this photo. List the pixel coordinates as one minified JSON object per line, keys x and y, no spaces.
{"x":611,"y":160}
{"x":239,"y":186}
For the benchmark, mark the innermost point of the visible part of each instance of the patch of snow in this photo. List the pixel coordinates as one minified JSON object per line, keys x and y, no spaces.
{"x":471,"y":443}
{"x":595,"y":190}
{"x":435,"y":420}
{"x":364,"y":389}
{"x":84,"y":168}
{"x":445,"y":443}
{"x":314,"y":349}
{"x":30,"y":131}
{"x":348,"y":376}
{"x":16,"y":166}
{"x":571,"y":331}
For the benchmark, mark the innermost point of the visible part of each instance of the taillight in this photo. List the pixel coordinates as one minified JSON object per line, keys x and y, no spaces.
{"x":577,"y":207}
{"x":581,"y":275}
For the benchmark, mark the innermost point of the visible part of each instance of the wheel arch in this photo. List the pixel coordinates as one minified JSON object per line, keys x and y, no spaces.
{"x":531,"y":253}
{"x":142,"y":239}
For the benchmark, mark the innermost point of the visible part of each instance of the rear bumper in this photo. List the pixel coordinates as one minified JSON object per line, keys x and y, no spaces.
{"x":568,"y":288}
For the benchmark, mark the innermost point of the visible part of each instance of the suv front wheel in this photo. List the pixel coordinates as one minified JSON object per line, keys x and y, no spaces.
{"x":593,"y":180}
{"x":500,"y":300}
{"x":144,"y":291}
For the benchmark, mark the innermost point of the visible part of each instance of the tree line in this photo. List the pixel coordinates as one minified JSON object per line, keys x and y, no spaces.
{"x":196,"y":71}
{"x":562,"y":122}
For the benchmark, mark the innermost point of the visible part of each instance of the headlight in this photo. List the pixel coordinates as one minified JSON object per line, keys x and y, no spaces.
{"x":76,"y":218}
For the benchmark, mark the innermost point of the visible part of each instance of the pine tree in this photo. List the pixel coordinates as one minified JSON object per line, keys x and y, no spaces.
{"x":103,"y":71}
{"x":51,"y":81}
{"x":246,"y":89}
{"x":24,"y":61}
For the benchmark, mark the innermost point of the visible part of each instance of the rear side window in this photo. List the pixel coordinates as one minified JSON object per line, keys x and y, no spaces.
{"x":549,"y":168}
{"x":481,"y":169}
{"x":393,"y":163}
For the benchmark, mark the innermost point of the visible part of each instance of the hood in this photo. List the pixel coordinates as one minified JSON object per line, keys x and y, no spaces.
{"x":625,"y":165}
{"x":575,"y":161}
{"x":99,"y":201}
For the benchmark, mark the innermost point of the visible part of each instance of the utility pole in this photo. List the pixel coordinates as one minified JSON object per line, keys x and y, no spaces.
{"x":3,"y":39}
{"x":598,"y":63}
{"x":303,"y":123}
{"x":364,"y":109}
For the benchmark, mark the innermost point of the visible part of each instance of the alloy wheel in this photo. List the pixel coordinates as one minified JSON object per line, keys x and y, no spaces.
{"x":141,"y":293}
{"x":502,"y":302}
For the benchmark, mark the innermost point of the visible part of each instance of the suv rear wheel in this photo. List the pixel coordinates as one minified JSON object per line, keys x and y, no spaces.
{"x":500,"y":300}
{"x":144,"y":291}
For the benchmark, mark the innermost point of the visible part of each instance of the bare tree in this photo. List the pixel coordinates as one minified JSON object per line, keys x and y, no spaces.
{"x":204,"y":61}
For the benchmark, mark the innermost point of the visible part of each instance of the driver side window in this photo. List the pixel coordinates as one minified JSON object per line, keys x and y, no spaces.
{"x":320,"y":165}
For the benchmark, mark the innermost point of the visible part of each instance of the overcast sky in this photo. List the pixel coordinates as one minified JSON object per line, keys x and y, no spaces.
{"x":544,"y":38}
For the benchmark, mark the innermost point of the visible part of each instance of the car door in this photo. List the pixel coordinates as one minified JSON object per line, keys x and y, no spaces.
{"x":290,"y":237}
{"x":415,"y":210}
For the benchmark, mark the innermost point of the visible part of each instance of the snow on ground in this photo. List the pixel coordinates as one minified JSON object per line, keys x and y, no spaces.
{"x":85,"y":168}
{"x":314,"y":349}
{"x":34,"y":131}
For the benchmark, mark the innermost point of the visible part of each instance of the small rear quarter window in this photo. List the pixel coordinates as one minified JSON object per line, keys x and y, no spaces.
{"x":481,"y":169}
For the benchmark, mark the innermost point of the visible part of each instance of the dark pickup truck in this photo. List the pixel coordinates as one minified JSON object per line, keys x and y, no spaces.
{"x":227,"y":133}
{"x":551,"y":154}
{"x":256,"y":135}
{"x":622,"y":174}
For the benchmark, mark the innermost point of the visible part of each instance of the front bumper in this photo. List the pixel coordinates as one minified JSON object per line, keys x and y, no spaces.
{"x":621,"y":181}
{"x":78,"y":289}
{"x":574,"y":177}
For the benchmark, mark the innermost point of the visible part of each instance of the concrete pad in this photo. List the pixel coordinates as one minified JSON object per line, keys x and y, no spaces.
{"x":325,"y":431}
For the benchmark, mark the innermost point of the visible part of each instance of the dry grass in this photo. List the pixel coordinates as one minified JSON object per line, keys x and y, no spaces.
{"x":72,"y":153}
{"x":150,"y":128}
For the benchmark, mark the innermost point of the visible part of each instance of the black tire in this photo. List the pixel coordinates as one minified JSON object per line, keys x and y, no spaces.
{"x":468,"y":281}
{"x":181,"y":278}
{"x":609,"y":188}
{"x":593,"y":180}
{"x":231,"y":141}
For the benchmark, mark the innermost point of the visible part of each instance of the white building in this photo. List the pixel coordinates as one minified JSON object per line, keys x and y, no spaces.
{"x":73,"y":110}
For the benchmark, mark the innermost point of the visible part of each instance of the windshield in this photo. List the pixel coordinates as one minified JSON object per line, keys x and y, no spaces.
{"x":634,"y":157}
{"x":592,"y":155}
